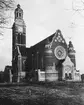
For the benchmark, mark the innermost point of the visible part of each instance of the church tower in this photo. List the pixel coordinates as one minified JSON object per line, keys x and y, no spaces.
{"x":18,"y":41}
{"x":19,"y":28}
{"x":71,"y":53}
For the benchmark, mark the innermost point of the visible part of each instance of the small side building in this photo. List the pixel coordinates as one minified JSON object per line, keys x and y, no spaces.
{"x":1,"y":76}
{"x":8,"y":74}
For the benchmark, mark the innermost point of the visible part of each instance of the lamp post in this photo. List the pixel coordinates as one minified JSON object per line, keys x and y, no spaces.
{"x":36,"y":74}
{"x":32,"y":61}
{"x":37,"y":60}
{"x":42,"y":63}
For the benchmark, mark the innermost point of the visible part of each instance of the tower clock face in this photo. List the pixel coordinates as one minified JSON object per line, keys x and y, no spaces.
{"x":20,"y":29}
{"x":60,"y":52}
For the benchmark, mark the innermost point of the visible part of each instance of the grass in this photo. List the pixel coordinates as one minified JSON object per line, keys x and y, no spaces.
{"x":41,"y":95}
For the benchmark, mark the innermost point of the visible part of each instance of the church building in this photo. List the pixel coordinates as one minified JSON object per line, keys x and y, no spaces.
{"x":52,"y":59}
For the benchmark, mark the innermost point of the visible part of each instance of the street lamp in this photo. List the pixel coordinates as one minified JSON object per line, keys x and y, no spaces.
{"x":42,"y":62}
{"x":37,"y":59}
{"x":32,"y":61}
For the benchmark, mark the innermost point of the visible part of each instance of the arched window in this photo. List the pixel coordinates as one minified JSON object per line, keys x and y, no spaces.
{"x":19,"y":14}
{"x":70,"y":76}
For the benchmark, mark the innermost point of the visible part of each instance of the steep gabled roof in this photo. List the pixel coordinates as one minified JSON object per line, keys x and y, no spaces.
{"x":68,"y":62}
{"x":44,"y":41}
{"x":50,"y":39}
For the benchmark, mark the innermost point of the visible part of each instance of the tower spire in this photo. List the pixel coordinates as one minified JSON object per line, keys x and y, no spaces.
{"x":18,"y":12}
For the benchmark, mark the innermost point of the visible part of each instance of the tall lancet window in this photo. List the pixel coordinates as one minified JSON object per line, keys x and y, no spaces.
{"x":19,"y":14}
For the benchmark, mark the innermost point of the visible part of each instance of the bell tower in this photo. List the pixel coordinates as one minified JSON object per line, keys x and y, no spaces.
{"x":19,"y":28}
{"x":18,"y":41}
{"x":71,"y":53}
{"x":18,"y":12}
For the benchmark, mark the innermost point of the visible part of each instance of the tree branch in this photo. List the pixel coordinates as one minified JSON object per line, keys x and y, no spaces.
{"x":5,"y":5}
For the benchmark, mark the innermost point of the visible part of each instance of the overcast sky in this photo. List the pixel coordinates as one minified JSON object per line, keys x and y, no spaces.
{"x":43,"y":18}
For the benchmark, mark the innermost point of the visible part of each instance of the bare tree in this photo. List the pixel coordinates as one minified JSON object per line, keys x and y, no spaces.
{"x":5,"y":6}
{"x":78,"y":6}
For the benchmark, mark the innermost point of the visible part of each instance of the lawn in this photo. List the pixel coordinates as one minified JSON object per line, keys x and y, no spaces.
{"x":41,"y":95}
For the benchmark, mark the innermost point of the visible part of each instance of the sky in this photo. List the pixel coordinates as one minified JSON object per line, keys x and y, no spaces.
{"x":42,"y":19}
